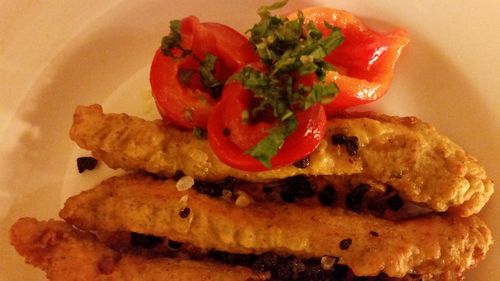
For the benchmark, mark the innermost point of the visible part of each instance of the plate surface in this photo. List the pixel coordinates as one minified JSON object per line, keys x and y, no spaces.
{"x":55,"y":55}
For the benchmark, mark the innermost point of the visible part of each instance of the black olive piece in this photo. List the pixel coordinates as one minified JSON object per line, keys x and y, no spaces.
{"x":265,"y":262}
{"x":327,"y":196}
{"x":340,"y":272}
{"x":144,"y":241}
{"x":174,"y":244}
{"x":345,"y":244}
{"x":86,"y":163}
{"x":214,"y":189}
{"x":313,"y":271}
{"x":395,"y":203}
{"x":184,"y":212}
{"x":303,"y":163}
{"x":354,"y":199}
{"x":233,"y":259}
{"x":178,"y":175}
{"x":288,"y":268}
{"x":287,"y":197}
{"x":381,"y":277}
{"x":350,"y":143}
{"x":267,"y":189}
{"x":209,"y":188}
{"x":299,"y":186}
{"x":229,"y":183}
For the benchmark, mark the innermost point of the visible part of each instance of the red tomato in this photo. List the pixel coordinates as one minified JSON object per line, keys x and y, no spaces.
{"x":364,"y":61}
{"x":188,"y":106}
{"x":227,"y":117}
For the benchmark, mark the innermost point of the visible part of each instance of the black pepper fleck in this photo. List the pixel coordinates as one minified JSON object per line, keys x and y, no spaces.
{"x":86,"y":163}
{"x":184,"y":213}
{"x":345,"y":244}
{"x":350,"y":143}
{"x":226,"y":132}
{"x":327,"y":196}
{"x":374,"y":233}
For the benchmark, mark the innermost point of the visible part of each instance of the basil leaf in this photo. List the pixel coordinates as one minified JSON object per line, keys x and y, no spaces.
{"x":267,"y":148}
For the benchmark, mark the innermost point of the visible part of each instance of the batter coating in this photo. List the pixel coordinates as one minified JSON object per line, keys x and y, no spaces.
{"x":409,"y":155}
{"x":67,"y":254}
{"x":431,"y":245}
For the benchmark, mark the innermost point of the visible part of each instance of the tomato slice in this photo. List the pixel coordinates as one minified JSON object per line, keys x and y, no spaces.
{"x":229,"y":137}
{"x":364,"y":61}
{"x":189,"y":106}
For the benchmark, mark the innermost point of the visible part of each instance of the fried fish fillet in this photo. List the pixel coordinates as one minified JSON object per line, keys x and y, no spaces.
{"x":432,"y":245}
{"x":408,"y":155}
{"x":66,"y":254}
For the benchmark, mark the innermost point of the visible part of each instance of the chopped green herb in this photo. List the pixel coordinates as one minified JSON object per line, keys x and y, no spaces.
{"x":320,"y":93}
{"x":207,"y":70}
{"x":267,"y":148}
{"x":173,"y":39}
{"x":287,"y":47}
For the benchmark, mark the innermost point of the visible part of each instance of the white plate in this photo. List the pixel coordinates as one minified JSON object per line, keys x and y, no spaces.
{"x":55,"y":55}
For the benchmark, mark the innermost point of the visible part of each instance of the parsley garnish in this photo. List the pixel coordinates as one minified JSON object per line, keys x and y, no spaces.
{"x":287,"y":47}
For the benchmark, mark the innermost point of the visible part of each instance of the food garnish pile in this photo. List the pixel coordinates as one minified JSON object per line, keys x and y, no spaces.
{"x":256,"y":172}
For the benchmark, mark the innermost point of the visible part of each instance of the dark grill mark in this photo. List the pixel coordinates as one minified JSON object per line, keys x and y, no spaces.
{"x":86,"y":163}
{"x":303,"y":163}
{"x":345,"y":244}
{"x":350,"y":143}
{"x":327,"y":196}
{"x":354,"y":199}
{"x":144,"y":241}
{"x":184,"y":213}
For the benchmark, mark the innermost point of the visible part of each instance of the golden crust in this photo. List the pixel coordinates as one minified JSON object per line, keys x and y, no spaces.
{"x":425,"y":246}
{"x":409,"y":155}
{"x":66,"y":254}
